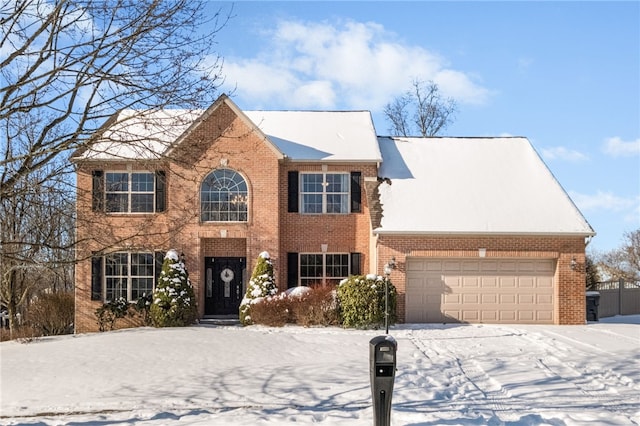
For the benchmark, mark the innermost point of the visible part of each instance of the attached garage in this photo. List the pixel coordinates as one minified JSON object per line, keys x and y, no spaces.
{"x":480,"y":290}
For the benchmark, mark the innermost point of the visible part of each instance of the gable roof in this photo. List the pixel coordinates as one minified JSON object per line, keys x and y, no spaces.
{"x":320,"y":135}
{"x":299,"y":135}
{"x":472,"y":186}
{"x":132,"y":134}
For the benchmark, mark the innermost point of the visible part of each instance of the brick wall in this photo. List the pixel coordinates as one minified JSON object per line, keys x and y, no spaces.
{"x":305,"y":233}
{"x":222,"y":139}
{"x":569,"y":284}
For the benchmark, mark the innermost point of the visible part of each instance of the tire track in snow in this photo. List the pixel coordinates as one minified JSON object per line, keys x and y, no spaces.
{"x":467,"y":382}
{"x":594,"y":388}
{"x":616,"y":393}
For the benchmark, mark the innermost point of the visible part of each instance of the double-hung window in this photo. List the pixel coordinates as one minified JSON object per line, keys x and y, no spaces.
{"x":323,"y":268}
{"x":324,"y":193}
{"x":128,"y":275}
{"x":130,"y":192}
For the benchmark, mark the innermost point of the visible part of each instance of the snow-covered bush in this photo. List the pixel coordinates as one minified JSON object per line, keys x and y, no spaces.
{"x":313,"y":306}
{"x":273,"y":311}
{"x":261,"y":285}
{"x":110,"y":312}
{"x":174,"y":302}
{"x":362,"y":301}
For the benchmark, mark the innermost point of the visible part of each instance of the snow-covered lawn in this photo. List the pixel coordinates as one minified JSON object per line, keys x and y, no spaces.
{"x":208,"y":375}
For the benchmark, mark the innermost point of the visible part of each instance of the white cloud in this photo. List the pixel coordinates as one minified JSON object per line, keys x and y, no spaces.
{"x":606,"y":201}
{"x":562,"y":153}
{"x":357,"y":65}
{"x":616,"y":147}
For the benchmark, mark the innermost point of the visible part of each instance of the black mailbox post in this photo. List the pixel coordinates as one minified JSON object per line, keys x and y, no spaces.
{"x":382,"y":368}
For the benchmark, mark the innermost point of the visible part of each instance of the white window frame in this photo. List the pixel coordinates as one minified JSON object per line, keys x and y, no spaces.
{"x":325,"y":194}
{"x":129,"y":191}
{"x":126,"y":277}
{"x":326,"y":277}
{"x":239,"y":197}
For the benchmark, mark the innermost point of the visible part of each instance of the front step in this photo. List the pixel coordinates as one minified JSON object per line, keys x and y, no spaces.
{"x":226,"y":321}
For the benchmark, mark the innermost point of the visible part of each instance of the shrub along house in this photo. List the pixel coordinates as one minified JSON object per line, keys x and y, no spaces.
{"x":479,"y":228}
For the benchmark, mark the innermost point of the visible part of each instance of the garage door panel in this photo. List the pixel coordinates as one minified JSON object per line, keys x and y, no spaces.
{"x":488,"y":282}
{"x":507,"y":299}
{"x":545,"y":282}
{"x":527,"y":282}
{"x":483,"y":290}
{"x":544,"y":299}
{"x":489,"y":298}
{"x":526,"y":299}
{"x":470,"y":315}
{"x":473,"y":281}
{"x":507,"y":282}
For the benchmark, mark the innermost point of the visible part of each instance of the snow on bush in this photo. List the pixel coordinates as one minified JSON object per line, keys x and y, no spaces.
{"x":362,"y":301}
{"x":262,"y":285}
{"x":173,"y":302}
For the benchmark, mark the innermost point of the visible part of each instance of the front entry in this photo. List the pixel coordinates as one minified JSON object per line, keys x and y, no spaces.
{"x":223,"y":285}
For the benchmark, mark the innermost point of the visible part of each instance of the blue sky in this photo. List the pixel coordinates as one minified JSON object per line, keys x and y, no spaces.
{"x":564,"y":74}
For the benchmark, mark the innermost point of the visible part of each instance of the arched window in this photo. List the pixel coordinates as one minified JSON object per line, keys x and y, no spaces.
{"x":223,"y":197}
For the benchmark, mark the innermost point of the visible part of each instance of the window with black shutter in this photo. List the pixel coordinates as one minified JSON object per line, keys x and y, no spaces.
{"x":161,"y":191}
{"x":356,"y":193}
{"x":292,"y":198}
{"x":97,"y":193}
{"x":292,"y":270}
{"x":96,"y":277}
{"x":355,"y":263}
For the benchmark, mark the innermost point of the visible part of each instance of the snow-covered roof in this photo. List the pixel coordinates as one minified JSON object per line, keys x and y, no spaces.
{"x":472,"y":185}
{"x":299,"y":135}
{"x":320,"y":135}
{"x":139,"y":134}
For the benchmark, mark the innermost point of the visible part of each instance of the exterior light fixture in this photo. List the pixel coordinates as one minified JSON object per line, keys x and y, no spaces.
{"x":574,"y":264}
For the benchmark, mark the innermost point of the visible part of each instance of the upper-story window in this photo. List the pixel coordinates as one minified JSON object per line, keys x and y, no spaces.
{"x":223,"y":197}
{"x":129,"y":192}
{"x":324,"y":193}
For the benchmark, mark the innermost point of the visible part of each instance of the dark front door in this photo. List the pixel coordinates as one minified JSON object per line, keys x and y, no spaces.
{"x":223,"y":285}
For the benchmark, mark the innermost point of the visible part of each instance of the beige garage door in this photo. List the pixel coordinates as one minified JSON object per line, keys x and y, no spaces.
{"x":480,"y":290}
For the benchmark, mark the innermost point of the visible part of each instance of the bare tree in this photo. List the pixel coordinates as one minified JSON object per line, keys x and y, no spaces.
{"x":624,"y":262}
{"x":421,"y":110}
{"x":65,"y":67}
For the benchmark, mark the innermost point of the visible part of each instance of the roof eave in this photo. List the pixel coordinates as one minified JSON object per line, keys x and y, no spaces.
{"x":488,"y":234}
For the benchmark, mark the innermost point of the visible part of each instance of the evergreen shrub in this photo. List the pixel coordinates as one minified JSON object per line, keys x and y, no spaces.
{"x":174,"y":302}
{"x":261,"y":285}
{"x":361,"y":301}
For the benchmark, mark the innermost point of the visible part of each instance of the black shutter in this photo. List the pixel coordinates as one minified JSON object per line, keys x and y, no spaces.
{"x":161,"y":191}
{"x":97,"y":194}
{"x":159,"y":260}
{"x":292,"y":270}
{"x":356,"y":193}
{"x":96,"y":278}
{"x":355,"y":263}
{"x":293,"y":192}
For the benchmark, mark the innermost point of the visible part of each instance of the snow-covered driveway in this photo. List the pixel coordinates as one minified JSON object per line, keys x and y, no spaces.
{"x":447,"y":375}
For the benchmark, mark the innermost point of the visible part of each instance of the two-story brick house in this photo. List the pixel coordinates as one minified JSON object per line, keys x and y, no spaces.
{"x":479,"y":229}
